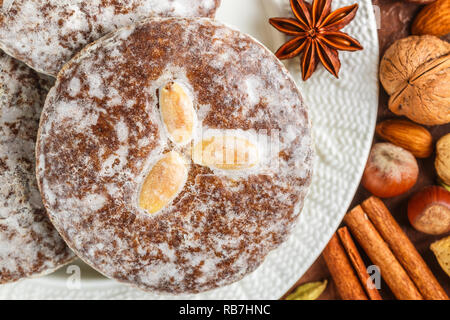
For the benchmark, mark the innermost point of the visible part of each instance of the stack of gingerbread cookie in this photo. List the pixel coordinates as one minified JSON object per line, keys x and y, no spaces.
{"x":173,"y":153}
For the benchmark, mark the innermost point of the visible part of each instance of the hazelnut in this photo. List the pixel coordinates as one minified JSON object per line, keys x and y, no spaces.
{"x":429,"y":210}
{"x":390,"y":171}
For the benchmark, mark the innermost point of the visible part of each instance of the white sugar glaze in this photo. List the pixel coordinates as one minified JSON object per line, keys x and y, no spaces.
{"x":47,"y":33}
{"x":29,"y":245}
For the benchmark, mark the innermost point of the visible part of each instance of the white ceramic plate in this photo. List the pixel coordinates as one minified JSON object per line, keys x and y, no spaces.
{"x":344,"y":115}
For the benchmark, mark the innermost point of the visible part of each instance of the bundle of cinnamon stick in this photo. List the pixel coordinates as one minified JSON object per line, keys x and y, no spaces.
{"x":389,"y":249}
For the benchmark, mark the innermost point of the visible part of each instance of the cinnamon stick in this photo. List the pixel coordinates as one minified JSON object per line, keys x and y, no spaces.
{"x":378,"y":251}
{"x":342,"y":272}
{"x":358,"y":263}
{"x":404,"y":250}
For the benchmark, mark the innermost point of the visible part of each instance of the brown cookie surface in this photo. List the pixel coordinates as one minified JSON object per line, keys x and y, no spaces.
{"x":101,"y":134}
{"x":29,"y":245}
{"x":47,"y":33}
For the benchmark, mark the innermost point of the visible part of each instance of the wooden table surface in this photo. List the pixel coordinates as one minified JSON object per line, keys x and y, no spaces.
{"x":395,"y":21}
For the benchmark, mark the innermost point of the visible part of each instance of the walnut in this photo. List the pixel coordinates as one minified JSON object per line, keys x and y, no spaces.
{"x":415,"y":72}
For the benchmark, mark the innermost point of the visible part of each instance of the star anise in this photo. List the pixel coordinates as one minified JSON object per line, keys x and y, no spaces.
{"x":315,"y":31}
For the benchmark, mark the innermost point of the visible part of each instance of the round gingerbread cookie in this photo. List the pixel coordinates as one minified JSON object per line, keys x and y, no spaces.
{"x":45,"y":34}
{"x":174,"y":154}
{"x":29,"y":245}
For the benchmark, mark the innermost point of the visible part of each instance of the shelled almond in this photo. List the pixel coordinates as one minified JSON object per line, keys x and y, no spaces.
{"x":226,"y":152}
{"x":407,"y":135}
{"x":177,"y":112}
{"x":165,"y":180}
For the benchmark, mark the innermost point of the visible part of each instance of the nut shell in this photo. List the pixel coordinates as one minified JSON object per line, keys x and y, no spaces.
{"x":415,"y":72}
{"x":390,"y":171}
{"x":433,"y":19}
{"x":429,"y":210}
{"x":420,"y":1}
{"x":441,"y":249}
{"x":443,"y":159}
{"x":407,"y":135}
